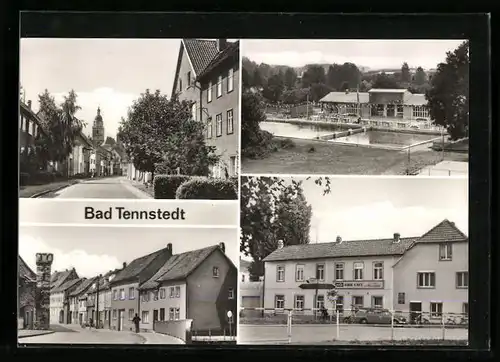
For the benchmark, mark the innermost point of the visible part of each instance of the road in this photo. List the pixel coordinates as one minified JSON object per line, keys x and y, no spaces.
{"x":317,"y":333}
{"x":102,"y":188}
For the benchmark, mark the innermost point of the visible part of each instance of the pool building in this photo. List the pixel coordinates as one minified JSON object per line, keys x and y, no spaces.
{"x":427,"y":273}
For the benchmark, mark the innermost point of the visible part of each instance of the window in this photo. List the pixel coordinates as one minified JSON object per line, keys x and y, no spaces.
{"x":162,"y":314}
{"x":279,"y":302}
{"x":420,"y":112}
{"x":219,"y":86}
{"x":193,"y":111}
{"x":280,"y":273}
{"x":462,"y":279}
{"x":162,"y":293}
{"x":320,"y":301}
{"x":242,"y":277}
{"x":377,"y":302}
{"x":299,"y":302}
{"x":209,"y":92}
{"x":209,"y":127}
{"x":145,"y":316}
{"x":215,"y":272}
{"x":426,"y":280}
{"x":358,"y":271}
{"x":436,"y":309}
{"x":177,"y":291}
{"x":114,"y":295}
{"x":130,"y":314}
{"x":339,"y":271}
{"x":171,"y":314}
{"x":339,"y":303}
{"x":299,"y":273}
{"x":233,"y":166}
{"x":189,"y":79}
{"x":357,"y":301}
{"x":445,"y":251}
{"x":180,"y":85}
{"x":114,"y":314}
{"x":465,"y":308}
{"x":131,"y":293}
{"x":230,"y":122}
{"x":155,"y":295}
{"x":378,"y":270}
{"x":230,"y":80}
{"x":401,"y":298}
{"x":122,"y":294}
{"x":399,"y":111}
{"x":218,"y":125}
{"x":230,"y":293}
{"x":145,"y":297}
{"x":320,"y":272}
{"x":177,"y":315}
{"x":172,"y":292}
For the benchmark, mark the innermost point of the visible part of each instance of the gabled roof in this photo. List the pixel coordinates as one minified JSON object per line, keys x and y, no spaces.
{"x":58,"y":278}
{"x":66,"y":285}
{"x":445,"y":231}
{"x":83,"y":287}
{"x":388,"y":90}
{"x":179,"y":266}
{"x":134,"y":269}
{"x":414,"y":99}
{"x":244,"y":265}
{"x":343,"y":97}
{"x":232,"y":49}
{"x":25,"y":271}
{"x":356,"y":248}
{"x":201,"y":52}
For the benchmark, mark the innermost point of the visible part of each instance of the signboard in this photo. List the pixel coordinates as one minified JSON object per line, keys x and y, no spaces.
{"x":360,"y":284}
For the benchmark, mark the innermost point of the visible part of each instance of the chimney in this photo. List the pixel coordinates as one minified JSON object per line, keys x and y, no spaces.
{"x":169,"y":248}
{"x":29,"y":104}
{"x":339,"y":240}
{"x":397,"y":237}
{"x":222,"y":247}
{"x":280,"y":244}
{"x":124,"y":265}
{"x":221,"y":44}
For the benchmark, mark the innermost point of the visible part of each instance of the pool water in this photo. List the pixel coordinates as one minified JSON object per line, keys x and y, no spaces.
{"x":381,"y":138}
{"x":306,"y":131}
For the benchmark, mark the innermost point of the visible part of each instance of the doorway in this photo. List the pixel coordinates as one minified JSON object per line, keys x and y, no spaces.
{"x":415,"y":310}
{"x":155,"y":317}
{"x":61,"y":317}
{"x":121,"y":313}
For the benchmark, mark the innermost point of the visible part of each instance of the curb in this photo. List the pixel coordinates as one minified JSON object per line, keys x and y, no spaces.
{"x":51,"y":190}
{"x":36,"y":334}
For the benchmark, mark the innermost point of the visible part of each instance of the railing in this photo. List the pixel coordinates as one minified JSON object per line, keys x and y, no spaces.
{"x":316,"y":325}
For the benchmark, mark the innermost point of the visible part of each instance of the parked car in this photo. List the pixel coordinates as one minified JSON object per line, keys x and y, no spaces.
{"x":376,"y":316}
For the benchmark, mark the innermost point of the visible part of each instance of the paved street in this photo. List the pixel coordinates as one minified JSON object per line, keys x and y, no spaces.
{"x":277,"y":334}
{"x":101,"y":188}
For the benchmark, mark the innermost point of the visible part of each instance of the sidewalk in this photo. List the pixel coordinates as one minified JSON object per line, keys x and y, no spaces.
{"x":39,"y":190}
{"x":138,"y":188}
{"x":22,"y":333}
{"x":158,"y":338}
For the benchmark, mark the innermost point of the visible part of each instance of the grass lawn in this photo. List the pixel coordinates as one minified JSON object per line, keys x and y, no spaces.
{"x":331,"y":158}
{"x":144,"y":188}
{"x":30,"y":191}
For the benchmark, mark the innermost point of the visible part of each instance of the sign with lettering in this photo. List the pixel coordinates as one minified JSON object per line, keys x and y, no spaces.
{"x":360,"y":284}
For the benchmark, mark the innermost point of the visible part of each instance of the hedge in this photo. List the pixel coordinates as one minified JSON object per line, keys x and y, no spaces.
{"x":206,"y":188}
{"x":165,"y":186}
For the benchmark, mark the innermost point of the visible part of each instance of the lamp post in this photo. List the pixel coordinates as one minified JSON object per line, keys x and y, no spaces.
{"x":97,"y":301}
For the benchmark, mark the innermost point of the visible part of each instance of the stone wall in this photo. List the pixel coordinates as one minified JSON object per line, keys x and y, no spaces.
{"x":180,"y":329}
{"x":42,"y":292}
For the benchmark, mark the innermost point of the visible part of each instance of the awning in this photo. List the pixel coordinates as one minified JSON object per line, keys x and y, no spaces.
{"x":319,"y":286}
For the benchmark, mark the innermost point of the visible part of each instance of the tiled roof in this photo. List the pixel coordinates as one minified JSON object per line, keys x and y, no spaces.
{"x":59,"y":278}
{"x":133,"y":269}
{"x":354,"y":248}
{"x":343,"y":97}
{"x":82,"y":288}
{"x":201,"y":52}
{"x":244,"y":265}
{"x":179,"y":266}
{"x":445,"y":231}
{"x":416,"y":100}
{"x":25,"y":271}
{"x":66,"y":285}
{"x":231,"y":49}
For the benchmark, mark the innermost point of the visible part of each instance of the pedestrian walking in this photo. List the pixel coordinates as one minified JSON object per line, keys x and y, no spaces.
{"x":91,"y":322}
{"x":136,"y":321}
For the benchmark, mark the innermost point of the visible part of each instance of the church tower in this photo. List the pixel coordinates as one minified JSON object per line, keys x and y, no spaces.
{"x":98,"y":129}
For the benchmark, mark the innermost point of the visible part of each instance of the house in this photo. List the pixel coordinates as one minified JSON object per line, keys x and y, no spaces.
{"x":59,"y":277}
{"x":30,"y":129}
{"x":26,"y":292}
{"x":100,"y":298}
{"x":200,"y":285}
{"x":370,"y":273}
{"x":79,"y":158}
{"x":251,"y":292}
{"x":207,"y":74}
{"x":244,"y":272}
{"x":60,"y":301}
{"x":75,"y":316}
{"x":379,"y":105}
{"x":433,"y":276}
{"x":125,"y":302}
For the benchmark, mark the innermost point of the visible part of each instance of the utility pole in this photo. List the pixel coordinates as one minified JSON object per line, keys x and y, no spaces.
{"x":97,"y":302}
{"x":307,"y":105}
{"x":442,"y":148}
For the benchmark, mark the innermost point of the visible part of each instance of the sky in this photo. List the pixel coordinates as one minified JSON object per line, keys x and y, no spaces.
{"x":374,"y":54}
{"x":96,"y":250}
{"x":363,"y":208}
{"x":105,"y":73}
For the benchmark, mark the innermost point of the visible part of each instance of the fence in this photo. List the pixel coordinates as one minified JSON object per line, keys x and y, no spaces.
{"x":364,"y":324}
{"x":224,"y":335}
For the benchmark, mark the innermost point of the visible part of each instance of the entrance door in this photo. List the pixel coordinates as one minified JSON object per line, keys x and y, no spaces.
{"x":121,"y":313}
{"x":155,"y":317}
{"x":61,"y":316}
{"x":415,"y":310}
{"x":80,"y":319}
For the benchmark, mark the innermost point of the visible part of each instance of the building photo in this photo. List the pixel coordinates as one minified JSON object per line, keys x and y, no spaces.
{"x":170,"y":114}
{"x":106,"y":287}
{"x":325,"y":256}
{"x":354,"y":106}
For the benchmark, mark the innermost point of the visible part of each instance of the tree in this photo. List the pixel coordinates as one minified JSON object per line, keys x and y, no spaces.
{"x":318,"y":91}
{"x":257,"y":79}
{"x":161,"y":133}
{"x":290,"y":78}
{"x":344,"y":86}
{"x":313,"y":74}
{"x":110,"y":141}
{"x":274,"y":88}
{"x":273,"y":210}
{"x":448,"y":97}
{"x":245,"y":77}
{"x":405,"y":73}
{"x":384,"y":81}
{"x":420,"y":76}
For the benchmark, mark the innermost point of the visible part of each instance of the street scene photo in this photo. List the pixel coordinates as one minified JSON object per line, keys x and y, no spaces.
{"x":346,"y":261}
{"x":127,"y":285}
{"x":365,"y":107}
{"x":129,"y":118}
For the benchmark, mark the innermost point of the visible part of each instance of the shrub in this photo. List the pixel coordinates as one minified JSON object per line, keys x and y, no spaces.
{"x":165,"y":186}
{"x":205,"y":188}
{"x":24,"y":178}
{"x":287,"y":143}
